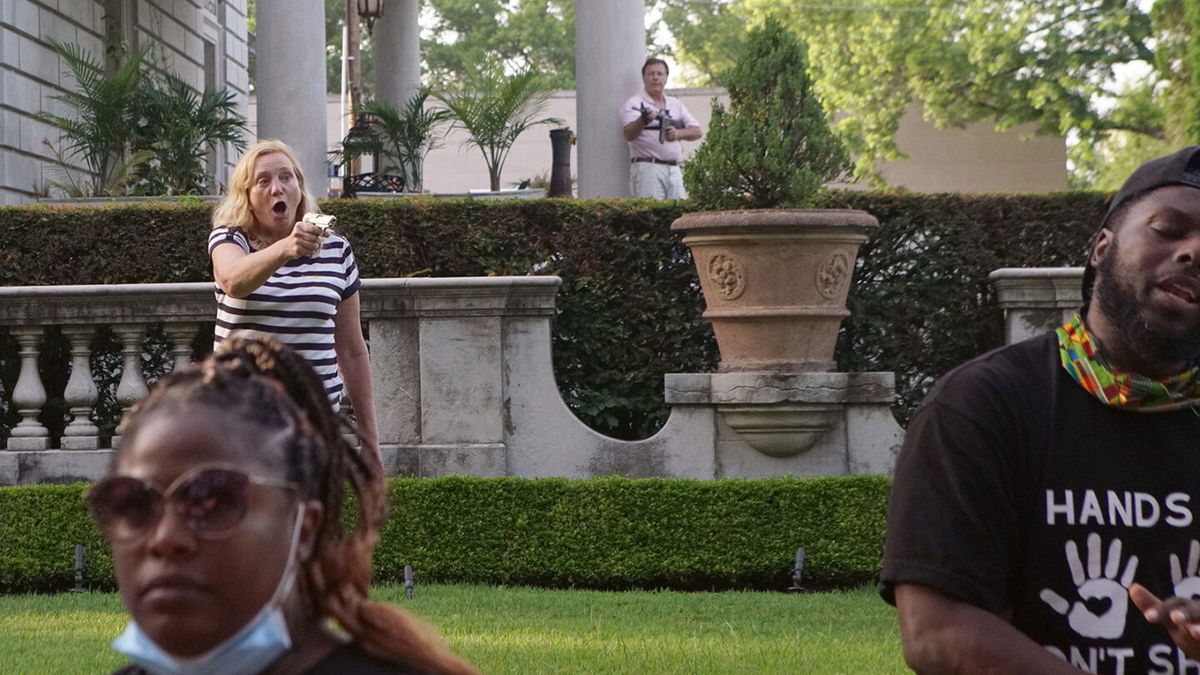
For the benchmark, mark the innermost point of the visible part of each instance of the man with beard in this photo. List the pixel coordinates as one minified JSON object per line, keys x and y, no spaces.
{"x":1047,"y":493}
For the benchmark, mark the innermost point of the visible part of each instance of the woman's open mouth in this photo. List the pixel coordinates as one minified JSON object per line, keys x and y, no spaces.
{"x":280,"y":207}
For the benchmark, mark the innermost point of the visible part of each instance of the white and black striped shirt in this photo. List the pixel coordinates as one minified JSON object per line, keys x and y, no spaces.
{"x":296,"y":305}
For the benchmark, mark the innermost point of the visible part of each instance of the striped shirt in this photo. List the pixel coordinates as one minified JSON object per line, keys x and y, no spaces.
{"x":296,"y":305}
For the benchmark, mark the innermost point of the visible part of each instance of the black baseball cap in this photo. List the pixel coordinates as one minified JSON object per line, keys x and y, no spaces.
{"x":1180,"y":168}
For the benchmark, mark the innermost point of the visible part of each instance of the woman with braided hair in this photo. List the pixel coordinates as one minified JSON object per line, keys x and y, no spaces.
{"x":224,"y":508}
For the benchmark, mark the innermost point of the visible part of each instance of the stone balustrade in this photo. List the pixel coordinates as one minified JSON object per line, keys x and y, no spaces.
{"x":464,"y":384}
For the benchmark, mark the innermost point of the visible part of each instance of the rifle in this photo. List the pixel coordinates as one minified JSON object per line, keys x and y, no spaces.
{"x":664,"y":120}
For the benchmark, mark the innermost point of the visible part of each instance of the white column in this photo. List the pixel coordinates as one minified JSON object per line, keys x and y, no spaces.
{"x":610,"y":47}
{"x":290,"y":80}
{"x":397,"y":37}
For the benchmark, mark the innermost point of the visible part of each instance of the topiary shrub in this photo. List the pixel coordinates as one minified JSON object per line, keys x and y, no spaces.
{"x":774,"y":146}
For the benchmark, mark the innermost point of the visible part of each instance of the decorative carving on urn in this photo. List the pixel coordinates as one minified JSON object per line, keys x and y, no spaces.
{"x":727,"y":276}
{"x":833,"y":276}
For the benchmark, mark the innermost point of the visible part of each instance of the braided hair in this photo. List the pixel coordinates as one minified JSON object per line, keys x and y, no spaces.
{"x":264,"y":383}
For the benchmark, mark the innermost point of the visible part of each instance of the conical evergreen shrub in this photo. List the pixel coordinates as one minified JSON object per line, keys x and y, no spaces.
{"x":773,"y":147}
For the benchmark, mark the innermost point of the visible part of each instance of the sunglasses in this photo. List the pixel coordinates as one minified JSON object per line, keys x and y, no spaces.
{"x":212,"y":499}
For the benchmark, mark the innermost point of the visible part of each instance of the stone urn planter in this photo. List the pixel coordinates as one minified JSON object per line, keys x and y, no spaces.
{"x":775,"y":282}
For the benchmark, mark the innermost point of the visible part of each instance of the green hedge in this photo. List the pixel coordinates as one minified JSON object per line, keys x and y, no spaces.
{"x":629,"y":309}
{"x":608,"y":533}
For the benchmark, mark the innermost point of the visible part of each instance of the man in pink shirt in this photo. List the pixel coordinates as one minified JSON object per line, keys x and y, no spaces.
{"x":655,"y":166}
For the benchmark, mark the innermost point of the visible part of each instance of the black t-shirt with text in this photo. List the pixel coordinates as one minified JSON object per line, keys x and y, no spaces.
{"x":1022,"y":494}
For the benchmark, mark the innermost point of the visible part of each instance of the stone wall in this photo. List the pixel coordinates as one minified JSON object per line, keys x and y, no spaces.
{"x":464,"y":384}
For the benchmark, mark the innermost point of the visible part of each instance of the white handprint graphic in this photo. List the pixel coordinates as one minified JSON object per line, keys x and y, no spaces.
{"x":1096,"y":584}
{"x":1189,"y":586}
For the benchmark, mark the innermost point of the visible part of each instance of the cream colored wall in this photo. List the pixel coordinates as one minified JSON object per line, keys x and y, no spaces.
{"x":975,"y":159}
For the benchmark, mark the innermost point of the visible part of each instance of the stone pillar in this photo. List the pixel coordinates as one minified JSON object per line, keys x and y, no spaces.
{"x":290,"y":78}
{"x":610,"y":47}
{"x":397,"y":36}
{"x":1036,"y":300}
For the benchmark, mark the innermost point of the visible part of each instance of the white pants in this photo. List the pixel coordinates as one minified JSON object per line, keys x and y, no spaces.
{"x":657,"y":181}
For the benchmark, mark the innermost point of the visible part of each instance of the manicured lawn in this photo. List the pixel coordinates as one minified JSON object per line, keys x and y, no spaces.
{"x":524,"y":630}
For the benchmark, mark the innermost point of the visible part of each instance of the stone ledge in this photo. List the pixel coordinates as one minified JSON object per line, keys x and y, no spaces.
{"x":1037,"y":287}
{"x":60,"y":467}
{"x":179,"y":302}
{"x":758,"y":387}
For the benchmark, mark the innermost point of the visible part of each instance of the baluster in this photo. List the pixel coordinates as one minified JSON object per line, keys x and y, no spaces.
{"x":180,"y":335}
{"x":29,"y":396}
{"x":132,"y":386}
{"x":80,"y":394}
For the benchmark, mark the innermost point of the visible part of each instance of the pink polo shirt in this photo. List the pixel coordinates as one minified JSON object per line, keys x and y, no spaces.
{"x":646,"y":144}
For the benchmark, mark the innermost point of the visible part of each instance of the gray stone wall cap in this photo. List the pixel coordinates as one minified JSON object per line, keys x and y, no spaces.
{"x":433,"y":284}
{"x":194,"y":301}
{"x":1029,"y":273}
{"x":1038,"y":287}
{"x":772,"y":387}
{"x":459,"y":296}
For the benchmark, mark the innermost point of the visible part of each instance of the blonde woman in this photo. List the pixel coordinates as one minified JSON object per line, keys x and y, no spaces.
{"x":279,"y":275}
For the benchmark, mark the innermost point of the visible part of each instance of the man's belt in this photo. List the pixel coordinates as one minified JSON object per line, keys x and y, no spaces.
{"x":668,"y":162}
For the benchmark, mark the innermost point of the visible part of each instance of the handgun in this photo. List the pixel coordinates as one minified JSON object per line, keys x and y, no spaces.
{"x":321,"y":220}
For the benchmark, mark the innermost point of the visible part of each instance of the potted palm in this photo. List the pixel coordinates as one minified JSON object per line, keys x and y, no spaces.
{"x":100,"y":133}
{"x":494,"y":109}
{"x":775,"y":273}
{"x":137,"y":133}
{"x":399,"y":138}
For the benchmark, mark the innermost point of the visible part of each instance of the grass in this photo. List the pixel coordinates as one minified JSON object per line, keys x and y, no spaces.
{"x":526,"y":630}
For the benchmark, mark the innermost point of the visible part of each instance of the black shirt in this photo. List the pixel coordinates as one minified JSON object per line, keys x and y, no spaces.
{"x":1020,"y":493}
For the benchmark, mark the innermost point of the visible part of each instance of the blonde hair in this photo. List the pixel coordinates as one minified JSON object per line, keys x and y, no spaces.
{"x":235,"y":211}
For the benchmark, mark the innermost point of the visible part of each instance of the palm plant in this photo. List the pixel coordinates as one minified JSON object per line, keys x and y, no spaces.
{"x":181,"y":126}
{"x":401,"y":138}
{"x":494,"y":109}
{"x":103,"y":132}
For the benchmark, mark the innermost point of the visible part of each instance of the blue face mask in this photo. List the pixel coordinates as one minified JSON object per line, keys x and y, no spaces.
{"x":258,"y":644}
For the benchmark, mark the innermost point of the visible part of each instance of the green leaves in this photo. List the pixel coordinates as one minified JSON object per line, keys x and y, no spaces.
{"x":402,"y":137}
{"x":138,"y":132}
{"x":494,"y":109}
{"x":102,"y":131}
{"x":773,"y":147}
{"x":516,"y":36}
{"x":180,"y":126}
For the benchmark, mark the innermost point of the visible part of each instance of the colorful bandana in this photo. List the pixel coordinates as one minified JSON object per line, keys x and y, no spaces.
{"x":1121,"y":388}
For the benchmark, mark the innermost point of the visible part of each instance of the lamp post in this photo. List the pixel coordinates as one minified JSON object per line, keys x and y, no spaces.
{"x":370,"y":10}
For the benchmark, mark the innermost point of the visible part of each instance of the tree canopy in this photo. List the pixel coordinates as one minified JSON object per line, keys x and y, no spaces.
{"x":535,"y":36}
{"x":1045,"y":62}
